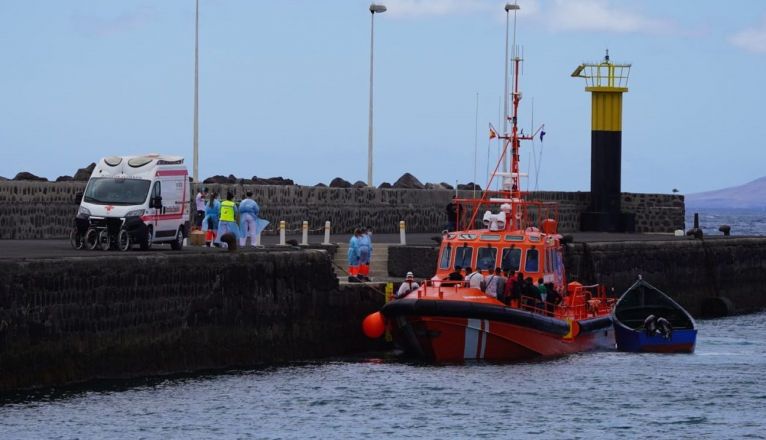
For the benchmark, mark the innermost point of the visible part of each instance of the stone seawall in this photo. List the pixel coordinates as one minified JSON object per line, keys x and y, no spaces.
{"x":702,"y":275}
{"x":31,"y":210}
{"x":76,"y":319}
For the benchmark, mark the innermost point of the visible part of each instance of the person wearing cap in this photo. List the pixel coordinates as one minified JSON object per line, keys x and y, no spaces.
{"x":199,"y":202}
{"x":409,"y":285}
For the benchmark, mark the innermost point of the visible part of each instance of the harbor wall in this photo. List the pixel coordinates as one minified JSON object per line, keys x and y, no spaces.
{"x":71,"y":320}
{"x":710,"y":277}
{"x":40,"y":210}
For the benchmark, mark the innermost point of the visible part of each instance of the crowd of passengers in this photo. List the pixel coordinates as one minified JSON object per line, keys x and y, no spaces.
{"x":508,"y":287}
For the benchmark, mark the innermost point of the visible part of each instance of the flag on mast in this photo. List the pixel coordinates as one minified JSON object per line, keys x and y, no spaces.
{"x":492,"y":131}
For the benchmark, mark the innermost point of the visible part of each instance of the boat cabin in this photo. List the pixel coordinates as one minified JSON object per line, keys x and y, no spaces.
{"x":530,"y":251}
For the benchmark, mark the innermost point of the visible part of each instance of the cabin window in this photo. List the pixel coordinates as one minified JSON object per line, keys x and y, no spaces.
{"x":511,"y":259}
{"x":488,"y":237}
{"x":532,"y":263}
{"x":534,"y":238}
{"x":485,"y":258}
{"x":514,"y":238}
{"x":468,"y":236}
{"x":463,"y":256}
{"x":446,"y":254}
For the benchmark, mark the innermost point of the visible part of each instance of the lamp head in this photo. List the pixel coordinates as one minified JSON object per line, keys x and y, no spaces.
{"x":377,"y":8}
{"x":511,"y":7}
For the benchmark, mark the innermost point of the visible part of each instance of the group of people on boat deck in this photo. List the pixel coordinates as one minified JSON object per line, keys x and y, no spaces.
{"x":508,"y":287}
{"x":216,"y":217}
{"x":359,"y":255}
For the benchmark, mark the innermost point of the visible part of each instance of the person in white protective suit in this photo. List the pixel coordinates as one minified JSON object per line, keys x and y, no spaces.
{"x":250,"y":225}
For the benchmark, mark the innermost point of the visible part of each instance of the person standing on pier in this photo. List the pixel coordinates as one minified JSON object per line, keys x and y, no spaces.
{"x":365,"y":254}
{"x":228,"y":220}
{"x":353,"y":257}
{"x":210,"y":222}
{"x":249,"y":221}
{"x":199,"y":202}
{"x":453,"y":212}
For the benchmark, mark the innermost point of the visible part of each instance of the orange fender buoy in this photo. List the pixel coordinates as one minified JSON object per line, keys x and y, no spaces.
{"x":374,"y":325}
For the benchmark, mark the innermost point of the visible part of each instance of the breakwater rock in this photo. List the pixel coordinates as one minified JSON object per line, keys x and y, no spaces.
{"x":76,"y":319}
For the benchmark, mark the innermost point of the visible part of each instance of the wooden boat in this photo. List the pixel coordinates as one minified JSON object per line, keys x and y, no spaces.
{"x":446,"y":321}
{"x":639,"y":316}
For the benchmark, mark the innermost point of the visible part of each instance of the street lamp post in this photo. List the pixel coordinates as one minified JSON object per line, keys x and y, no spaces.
{"x":508,"y":7}
{"x":373,"y":9}
{"x":196,"y":96}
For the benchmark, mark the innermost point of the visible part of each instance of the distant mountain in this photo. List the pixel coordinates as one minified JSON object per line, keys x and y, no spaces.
{"x":748,"y":196}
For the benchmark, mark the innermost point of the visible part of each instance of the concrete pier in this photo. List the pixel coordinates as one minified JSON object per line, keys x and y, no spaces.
{"x":74,"y":319}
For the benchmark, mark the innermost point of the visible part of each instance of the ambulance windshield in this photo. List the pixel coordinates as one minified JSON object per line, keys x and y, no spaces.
{"x":111,"y":191}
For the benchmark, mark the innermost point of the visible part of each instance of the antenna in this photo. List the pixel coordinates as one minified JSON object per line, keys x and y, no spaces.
{"x":475,"y":144}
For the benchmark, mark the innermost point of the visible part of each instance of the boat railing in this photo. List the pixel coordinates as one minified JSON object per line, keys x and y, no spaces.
{"x":587,"y":301}
{"x":437,"y":287}
{"x":561,"y":310}
{"x":529,"y":213}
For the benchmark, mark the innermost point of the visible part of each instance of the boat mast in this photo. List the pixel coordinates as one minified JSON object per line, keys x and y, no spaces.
{"x":510,"y":188}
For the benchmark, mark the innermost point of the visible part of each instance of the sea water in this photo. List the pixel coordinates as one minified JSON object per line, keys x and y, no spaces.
{"x":717,"y":392}
{"x":741,"y":221}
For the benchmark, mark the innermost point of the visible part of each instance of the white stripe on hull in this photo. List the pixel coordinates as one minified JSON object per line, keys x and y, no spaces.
{"x":475,"y":339}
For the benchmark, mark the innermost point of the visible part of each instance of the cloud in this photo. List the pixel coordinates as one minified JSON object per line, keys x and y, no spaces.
{"x":602,"y":16}
{"x":105,"y":26}
{"x":430,"y":8}
{"x":752,"y":39}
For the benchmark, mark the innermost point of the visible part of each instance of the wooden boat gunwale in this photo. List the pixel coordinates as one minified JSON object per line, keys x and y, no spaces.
{"x":635,"y":338}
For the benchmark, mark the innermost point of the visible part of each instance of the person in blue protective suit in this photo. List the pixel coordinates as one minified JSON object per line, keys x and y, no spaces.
{"x":210,"y":222}
{"x":250,"y":224}
{"x":354,"y":257}
{"x":365,"y":253}
{"x":228,"y":219}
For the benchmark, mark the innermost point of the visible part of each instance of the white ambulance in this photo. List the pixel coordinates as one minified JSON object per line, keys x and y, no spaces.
{"x":134,"y":200}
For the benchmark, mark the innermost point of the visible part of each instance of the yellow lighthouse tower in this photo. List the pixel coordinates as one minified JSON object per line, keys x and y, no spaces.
{"x":606,"y":81}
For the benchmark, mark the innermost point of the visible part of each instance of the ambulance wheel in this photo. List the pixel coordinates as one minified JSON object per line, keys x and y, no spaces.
{"x":178,"y":243}
{"x":76,"y":239}
{"x":103,"y":240}
{"x":91,"y":239}
{"x":123,"y":240}
{"x":146,"y":242}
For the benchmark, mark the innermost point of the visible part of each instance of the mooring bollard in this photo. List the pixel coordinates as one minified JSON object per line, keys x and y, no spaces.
{"x":305,"y":239}
{"x":326,"y":232}
{"x":402,"y":238}
{"x":282,"y":232}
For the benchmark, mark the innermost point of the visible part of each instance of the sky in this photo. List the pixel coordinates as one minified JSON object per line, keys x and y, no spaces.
{"x":284,"y":87}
